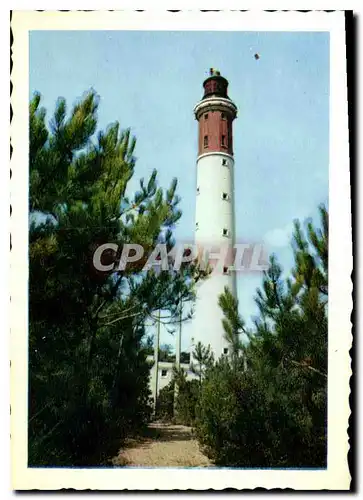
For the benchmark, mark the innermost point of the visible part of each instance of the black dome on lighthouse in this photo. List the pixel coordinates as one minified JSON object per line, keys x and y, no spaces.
{"x":215,"y":85}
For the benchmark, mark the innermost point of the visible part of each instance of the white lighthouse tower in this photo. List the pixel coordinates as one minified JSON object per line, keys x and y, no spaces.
{"x":214,"y":218}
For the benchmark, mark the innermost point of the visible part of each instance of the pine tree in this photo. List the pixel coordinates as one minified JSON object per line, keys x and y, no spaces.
{"x":204,"y":358}
{"x":88,"y":376}
{"x":273,"y":414}
{"x":232,"y":322}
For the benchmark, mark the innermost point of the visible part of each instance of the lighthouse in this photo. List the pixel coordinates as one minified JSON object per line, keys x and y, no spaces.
{"x":214,"y":215}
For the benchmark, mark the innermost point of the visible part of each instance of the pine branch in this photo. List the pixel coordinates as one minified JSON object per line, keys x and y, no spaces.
{"x":122,"y":317}
{"x":40,"y":411}
{"x":303,"y":365}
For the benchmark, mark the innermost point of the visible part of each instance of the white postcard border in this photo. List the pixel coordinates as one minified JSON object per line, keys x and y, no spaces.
{"x":340,"y":257}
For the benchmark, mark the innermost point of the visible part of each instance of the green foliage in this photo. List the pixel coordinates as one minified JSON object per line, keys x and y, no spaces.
{"x":183,"y":411}
{"x":185,"y":357}
{"x":188,"y":396}
{"x":233,"y":324}
{"x":165,"y":403}
{"x":203,"y":357}
{"x":166,"y":353}
{"x":267,"y":408}
{"x":88,"y":376}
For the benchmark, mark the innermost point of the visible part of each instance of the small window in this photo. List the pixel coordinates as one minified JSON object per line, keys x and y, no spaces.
{"x":225,"y":350}
{"x":223,"y":116}
{"x":196,"y":225}
{"x":225,"y":232}
{"x":223,"y":140}
{"x":225,"y":196}
{"x":225,"y":270}
{"x":164,"y":373}
{"x":198,"y":190}
{"x":206,"y":116}
{"x":224,"y":162}
{"x":205,"y":141}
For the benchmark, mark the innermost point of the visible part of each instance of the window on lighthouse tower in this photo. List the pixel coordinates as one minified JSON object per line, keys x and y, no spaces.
{"x":223,"y":140}
{"x":205,"y":141}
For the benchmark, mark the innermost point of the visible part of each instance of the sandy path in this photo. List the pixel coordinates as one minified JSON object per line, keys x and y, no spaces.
{"x":168,"y":446}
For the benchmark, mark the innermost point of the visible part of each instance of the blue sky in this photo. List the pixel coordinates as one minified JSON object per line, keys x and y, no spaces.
{"x":150,"y":82}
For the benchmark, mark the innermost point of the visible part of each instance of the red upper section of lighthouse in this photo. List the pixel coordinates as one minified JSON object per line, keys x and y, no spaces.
{"x":215,"y":133}
{"x":215,"y":114}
